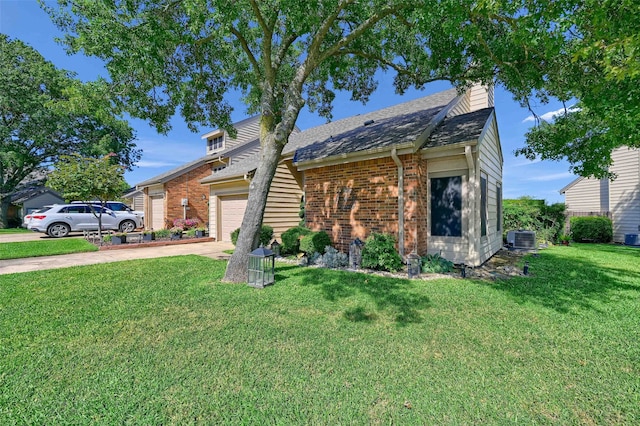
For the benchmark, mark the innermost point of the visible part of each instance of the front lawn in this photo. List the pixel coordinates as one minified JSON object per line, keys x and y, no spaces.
{"x":19,"y":250}
{"x":164,"y":341}
{"x":14,"y":231}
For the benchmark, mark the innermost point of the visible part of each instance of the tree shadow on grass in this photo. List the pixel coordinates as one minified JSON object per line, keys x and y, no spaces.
{"x":396,"y":296}
{"x":578,"y":277}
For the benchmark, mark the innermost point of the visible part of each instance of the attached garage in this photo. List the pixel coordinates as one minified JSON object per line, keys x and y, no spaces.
{"x":157,"y":212}
{"x":232,"y":209}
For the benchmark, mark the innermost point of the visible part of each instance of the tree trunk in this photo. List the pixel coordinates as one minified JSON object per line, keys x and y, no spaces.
{"x":5,"y":202}
{"x":252,"y":221}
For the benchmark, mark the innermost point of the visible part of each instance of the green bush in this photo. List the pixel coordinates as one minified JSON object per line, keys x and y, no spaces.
{"x":534,"y":215}
{"x":291,"y":239}
{"x":436,"y":264}
{"x":315,"y":242}
{"x":379,"y":253}
{"x":597,"y":229}
{"x":266,"y":235}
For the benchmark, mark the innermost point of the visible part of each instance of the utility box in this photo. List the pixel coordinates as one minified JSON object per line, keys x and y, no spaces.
{"x":525,"y":240}
{"x":184,"y":202}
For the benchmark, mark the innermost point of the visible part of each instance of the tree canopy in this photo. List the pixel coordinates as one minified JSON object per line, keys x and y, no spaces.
{"x":89,"y":179}
{"x":600,"y":70}
{"x":45,"y":113}
{"x":171,"y":56}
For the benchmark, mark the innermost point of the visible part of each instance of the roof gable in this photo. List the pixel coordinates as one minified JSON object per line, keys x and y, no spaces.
{"x":459,"y":128}
{"x":381,"y":129}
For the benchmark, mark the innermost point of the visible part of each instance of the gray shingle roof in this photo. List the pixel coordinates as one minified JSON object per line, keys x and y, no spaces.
{"x":459,"y":128}
{"x":391,"y":126}
{"x":197,"y":163}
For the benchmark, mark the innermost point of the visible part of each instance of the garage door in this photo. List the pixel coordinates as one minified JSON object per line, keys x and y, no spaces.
{"x":157,"y":212}
{"x":231,"y":213}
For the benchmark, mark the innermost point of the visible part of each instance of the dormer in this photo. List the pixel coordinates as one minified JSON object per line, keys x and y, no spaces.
{"x":215,"y":141}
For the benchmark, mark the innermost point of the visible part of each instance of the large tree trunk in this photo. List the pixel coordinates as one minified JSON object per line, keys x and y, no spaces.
{"x":249,"y":236}
{"x":5,"y":202}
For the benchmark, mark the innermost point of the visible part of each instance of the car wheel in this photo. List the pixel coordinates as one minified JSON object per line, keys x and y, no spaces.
{"x":127,"y":226}
{"x":58,"y":230}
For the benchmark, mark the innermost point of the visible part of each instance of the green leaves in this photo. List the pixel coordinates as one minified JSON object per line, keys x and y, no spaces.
{"x":86,"y":179}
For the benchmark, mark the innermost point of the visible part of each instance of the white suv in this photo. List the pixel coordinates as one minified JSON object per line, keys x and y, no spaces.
{"x":61,"y":219}
{"x":117,"y":207}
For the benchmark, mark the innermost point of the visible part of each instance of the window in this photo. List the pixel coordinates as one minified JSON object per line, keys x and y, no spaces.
{"x":215,"y":143}
{"x":498,"y":207}
{"x":483,"y":205}
{"x":446,"y":206}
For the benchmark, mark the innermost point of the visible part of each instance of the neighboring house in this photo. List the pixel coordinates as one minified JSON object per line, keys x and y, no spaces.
{"x":26,"y":200}
{"x":178,"y":193}
{"x":618,"y":199}
{"x":134,"y":198}
{"x":428,"y":171}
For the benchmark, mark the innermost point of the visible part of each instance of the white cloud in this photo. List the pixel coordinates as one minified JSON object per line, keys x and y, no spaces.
{"x":155,"y":164}
{"x":550,"y":177}
{"x":551,"y":115}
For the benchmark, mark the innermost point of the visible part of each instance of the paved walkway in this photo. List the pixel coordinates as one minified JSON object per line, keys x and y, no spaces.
{"x":214,"y":250}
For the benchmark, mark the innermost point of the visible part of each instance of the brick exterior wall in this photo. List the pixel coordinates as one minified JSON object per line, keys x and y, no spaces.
{"x":353,"y":200}
{"x":188,"y":186}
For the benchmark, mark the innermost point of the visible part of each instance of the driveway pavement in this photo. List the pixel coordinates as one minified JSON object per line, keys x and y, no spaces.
{"x":212,"y":249}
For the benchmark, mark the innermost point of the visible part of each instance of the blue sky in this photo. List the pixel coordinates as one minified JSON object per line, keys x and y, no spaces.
{"x":24,"y":20}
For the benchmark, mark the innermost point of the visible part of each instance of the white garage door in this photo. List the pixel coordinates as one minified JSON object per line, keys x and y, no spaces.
{"x":157,"y":212}
{"x":231,"y":213}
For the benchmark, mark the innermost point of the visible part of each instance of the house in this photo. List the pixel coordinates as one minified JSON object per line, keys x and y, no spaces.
{"x":618,"y":199}
{"x":428,"y":171}
{"x":178,"y":193}
{"x":30,"y":198}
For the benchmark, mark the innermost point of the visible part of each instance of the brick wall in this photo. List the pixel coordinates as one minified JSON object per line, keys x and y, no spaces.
{"x":188,"y":186}
{"x":356,"y":199}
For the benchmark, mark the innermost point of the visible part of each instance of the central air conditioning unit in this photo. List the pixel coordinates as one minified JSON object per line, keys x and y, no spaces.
{"x":522,"y":239}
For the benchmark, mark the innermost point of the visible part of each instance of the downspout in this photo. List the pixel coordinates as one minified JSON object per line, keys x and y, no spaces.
{"x":471,"y":233}
{"x":394,"y":156}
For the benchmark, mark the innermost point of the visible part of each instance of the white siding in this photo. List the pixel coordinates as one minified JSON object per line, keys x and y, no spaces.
{"x":480,"y":97}
{"x":283,"y":202}
{"x":624,"y":193}
{"x":490,"y":163}
{"x":587,"y":195}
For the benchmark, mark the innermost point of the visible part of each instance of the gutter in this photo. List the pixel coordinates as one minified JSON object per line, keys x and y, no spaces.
{"x":396,"y":159}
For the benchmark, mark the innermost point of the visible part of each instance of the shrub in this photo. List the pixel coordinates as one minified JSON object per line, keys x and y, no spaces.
{"x":334,"y":259}
{"x":379,"y":253}
{"x":291,"y":239}
{"x":315,"y":242}
{"x":436,"y":264}
{"x":591,"y":228}
{"x":534,"y":215}
{"x":162,"y":233}
{"x":266,"y":235}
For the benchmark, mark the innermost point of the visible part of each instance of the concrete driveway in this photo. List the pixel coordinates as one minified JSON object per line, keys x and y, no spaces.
{"x":212,"y":249}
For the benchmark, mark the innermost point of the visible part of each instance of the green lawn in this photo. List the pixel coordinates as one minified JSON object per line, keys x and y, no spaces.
{"x":14,"y":231}
{"x":19,"y":250}
{"x":163,"y":341}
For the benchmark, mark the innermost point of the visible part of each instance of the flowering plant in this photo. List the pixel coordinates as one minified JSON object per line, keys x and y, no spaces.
{"x":186,"y":223}
{"x":176,"y":230}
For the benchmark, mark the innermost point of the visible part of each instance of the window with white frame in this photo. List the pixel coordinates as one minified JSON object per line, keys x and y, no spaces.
{"x":498,"y":207}
{"x":483,"y":204}
{"x":216,"y":143}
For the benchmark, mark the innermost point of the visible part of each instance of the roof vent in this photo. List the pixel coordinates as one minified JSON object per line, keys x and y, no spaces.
{"x":368,"y":122}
